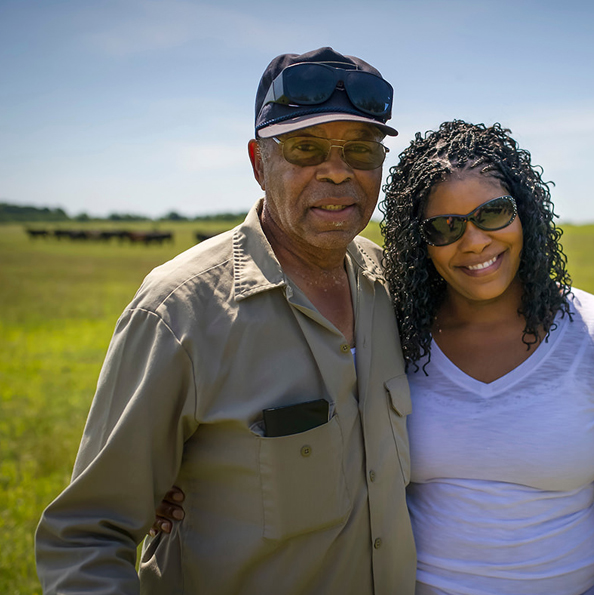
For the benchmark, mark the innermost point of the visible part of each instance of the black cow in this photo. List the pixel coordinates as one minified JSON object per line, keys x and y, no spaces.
{"x":38,"y":233}
{"x":200,"y":237}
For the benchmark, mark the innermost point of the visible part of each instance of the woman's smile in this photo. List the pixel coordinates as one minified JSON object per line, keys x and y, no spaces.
{"x":482,"y":264}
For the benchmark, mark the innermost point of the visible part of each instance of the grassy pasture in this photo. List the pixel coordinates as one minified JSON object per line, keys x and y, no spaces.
{"x":59,"y":301}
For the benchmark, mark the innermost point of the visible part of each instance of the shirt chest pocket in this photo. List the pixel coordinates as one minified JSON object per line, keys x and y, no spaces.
{"x":400,"y":407}
{"x":303,"y":481}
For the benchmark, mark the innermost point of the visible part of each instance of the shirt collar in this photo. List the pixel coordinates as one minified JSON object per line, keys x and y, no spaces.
{"x":256,"y":268}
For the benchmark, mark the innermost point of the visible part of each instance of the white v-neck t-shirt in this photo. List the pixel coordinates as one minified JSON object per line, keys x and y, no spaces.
{"x":502,"y":494}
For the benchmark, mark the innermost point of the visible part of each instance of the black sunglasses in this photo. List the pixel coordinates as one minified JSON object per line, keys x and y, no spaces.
{"x":312,"y":83}
{"x":313,"y":150}
{"x":492,"y":215}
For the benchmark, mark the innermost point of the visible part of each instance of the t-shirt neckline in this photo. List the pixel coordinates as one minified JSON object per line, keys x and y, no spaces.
{"x":455,"y":374}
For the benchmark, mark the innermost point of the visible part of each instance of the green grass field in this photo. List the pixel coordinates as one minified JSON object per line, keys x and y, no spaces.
{"x":59,"y":301}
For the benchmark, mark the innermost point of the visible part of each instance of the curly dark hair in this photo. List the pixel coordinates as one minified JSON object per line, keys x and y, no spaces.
{"x":417,"y":289}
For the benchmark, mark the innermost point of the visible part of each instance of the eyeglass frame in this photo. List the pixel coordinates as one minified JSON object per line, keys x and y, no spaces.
{"x":470,"y":217}
{"x":341,"y":147}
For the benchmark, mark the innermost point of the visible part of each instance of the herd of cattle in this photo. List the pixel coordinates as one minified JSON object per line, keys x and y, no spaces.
{"x":134,"y":237}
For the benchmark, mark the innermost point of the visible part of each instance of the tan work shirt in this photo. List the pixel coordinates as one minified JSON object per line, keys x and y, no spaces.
{"x":211,"y":339}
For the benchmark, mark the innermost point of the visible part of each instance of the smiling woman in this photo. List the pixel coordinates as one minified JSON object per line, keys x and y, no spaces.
{"x":500,"y":358}
{"x":481,"y":264}
{"x":438,"y":165}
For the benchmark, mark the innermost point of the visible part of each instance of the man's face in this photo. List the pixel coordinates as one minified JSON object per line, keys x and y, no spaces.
{"x":318,"y":207}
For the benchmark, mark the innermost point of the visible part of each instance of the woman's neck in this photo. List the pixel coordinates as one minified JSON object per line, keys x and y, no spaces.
{"x":459,"y":311}
{"x":483,"y":338}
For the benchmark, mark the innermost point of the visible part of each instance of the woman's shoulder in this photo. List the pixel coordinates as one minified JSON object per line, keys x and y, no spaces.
{"x":581,"y":306}
{"x":581,"y":299}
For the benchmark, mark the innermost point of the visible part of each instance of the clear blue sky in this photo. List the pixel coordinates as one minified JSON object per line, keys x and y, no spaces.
{"x":146,"y":106}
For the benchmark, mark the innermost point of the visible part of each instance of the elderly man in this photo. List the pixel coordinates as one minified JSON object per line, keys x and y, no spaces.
{"x":261,"y":372}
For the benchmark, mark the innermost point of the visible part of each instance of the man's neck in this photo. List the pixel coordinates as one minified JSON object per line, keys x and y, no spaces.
{"x":299,"y":255}
{"x":330,"y":294}
{"x":322,"y":276}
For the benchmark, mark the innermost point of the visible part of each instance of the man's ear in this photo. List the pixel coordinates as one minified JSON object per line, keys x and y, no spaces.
{"x":257,"y":162}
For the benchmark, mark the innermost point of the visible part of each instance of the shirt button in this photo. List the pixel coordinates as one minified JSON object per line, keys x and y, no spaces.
{"x":372,"y":475}
{"x":345,"y":348}
{"x":377,"y":543}
{"x":305,"y":450}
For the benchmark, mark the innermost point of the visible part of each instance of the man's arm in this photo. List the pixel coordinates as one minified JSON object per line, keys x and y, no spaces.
{"x":130,"y":454}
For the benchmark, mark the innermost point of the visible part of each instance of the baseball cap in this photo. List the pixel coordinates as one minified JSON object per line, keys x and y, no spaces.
{"x":274,"y":117}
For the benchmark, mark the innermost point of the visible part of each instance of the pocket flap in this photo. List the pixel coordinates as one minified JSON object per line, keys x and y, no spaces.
{"x":399,"y":394}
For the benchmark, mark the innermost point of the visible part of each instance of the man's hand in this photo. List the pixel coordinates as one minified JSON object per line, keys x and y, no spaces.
{"x":168,"y":511}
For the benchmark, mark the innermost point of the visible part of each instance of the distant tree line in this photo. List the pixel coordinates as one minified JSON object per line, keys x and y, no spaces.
{"x":10,"y":213}
{"x":174,"y":216}
{"x":15,"y":213}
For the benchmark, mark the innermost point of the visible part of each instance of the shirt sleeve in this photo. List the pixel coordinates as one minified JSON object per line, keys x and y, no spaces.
{"x":130,"y":455}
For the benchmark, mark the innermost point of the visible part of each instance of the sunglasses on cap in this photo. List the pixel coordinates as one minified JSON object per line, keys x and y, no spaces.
{"x":313,"y":150}
{"x":492,"y":215}
{"x":312,"y":83}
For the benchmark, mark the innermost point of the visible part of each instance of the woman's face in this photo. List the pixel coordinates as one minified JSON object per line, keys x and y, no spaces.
{"x":481,"y":265}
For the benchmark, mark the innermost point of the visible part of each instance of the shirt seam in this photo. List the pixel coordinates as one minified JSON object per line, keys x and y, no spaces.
{"x":185,"y":282}
{"x":180,"y":344}
{"x":368,"y":267}
{"x":243,"y":285}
